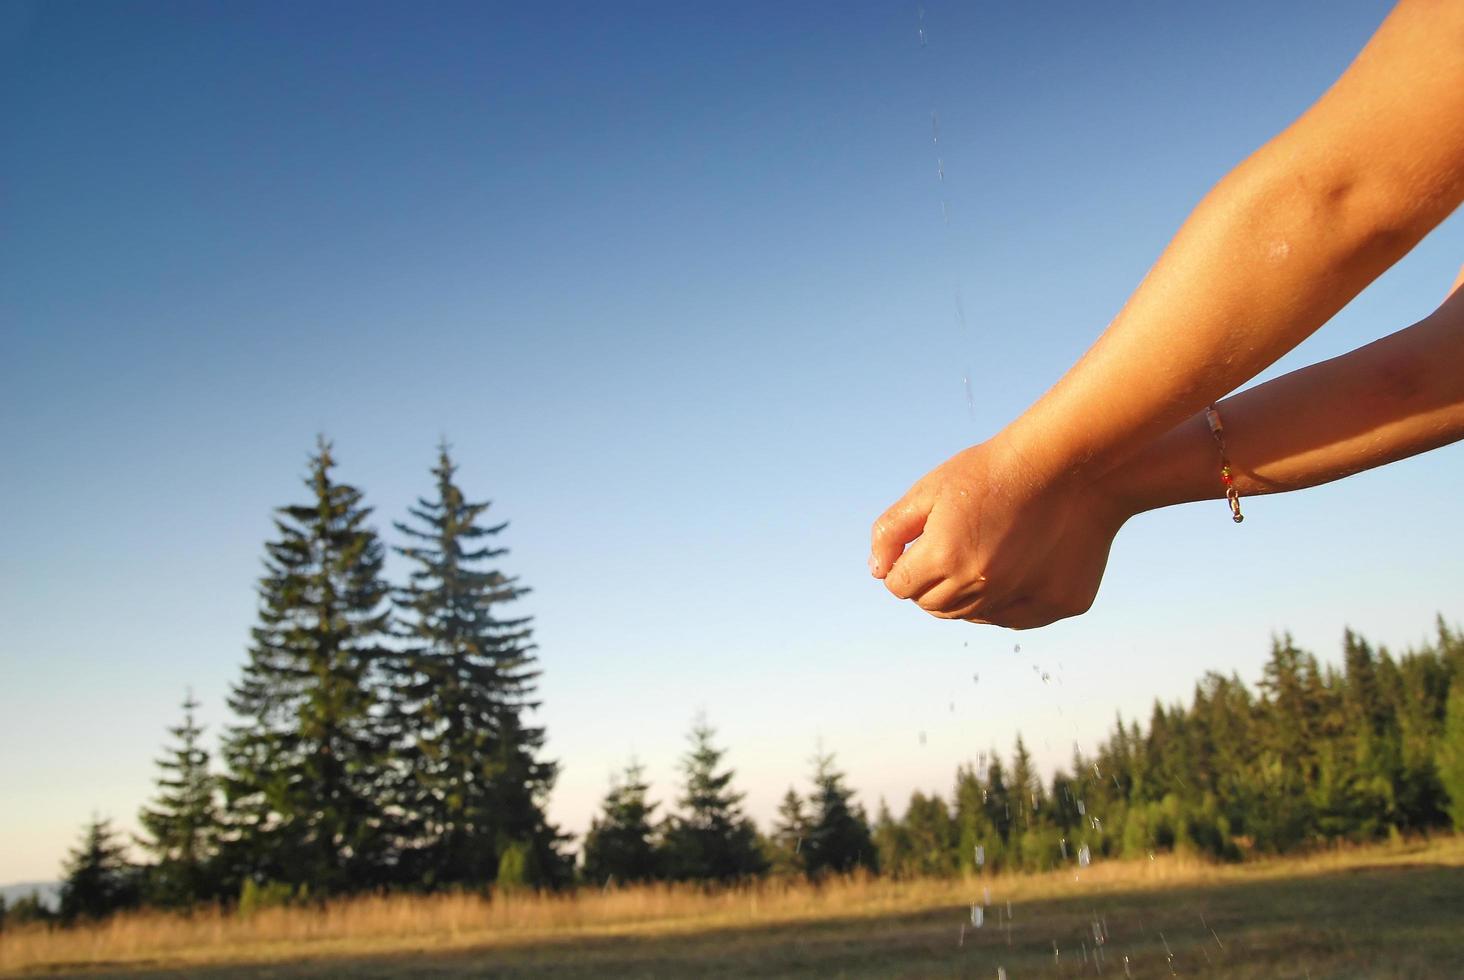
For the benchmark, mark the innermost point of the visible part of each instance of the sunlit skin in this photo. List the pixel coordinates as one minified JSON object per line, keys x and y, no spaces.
{"x":1016,"y":531}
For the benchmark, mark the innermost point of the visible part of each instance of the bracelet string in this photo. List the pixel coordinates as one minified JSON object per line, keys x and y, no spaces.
{"x":1232,"y":494}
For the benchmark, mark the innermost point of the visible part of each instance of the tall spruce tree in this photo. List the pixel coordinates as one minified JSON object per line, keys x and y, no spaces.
{"x":182,"y":822}
{"x":710,"y":839}
{"x":98,"y":879}
{"x":475,"y":789}
{"x":838,"y":835}
{"x":620,"y":845}
{"x":307,"y":762}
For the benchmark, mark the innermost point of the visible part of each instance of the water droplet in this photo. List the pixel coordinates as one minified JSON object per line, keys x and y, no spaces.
{"x":934,"y":127}
{"x":986,"y":895}
{"x":980,"y":854}
{"x":1001,"y":973}
{"x":1017,"y":648}
{"x":1085,"y":856}
{"x":953,"y":707}
{"x":975,"y":678}
{"x":1063,"y":844}
{"x":1082,"y":810}
{"x":978,"y":915}
{"x":922,"y":738}
{"x":1098,"y":825}
{"x":940,"y":169}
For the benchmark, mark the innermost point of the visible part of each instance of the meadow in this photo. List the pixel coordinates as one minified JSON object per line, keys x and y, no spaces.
{"x":1392,"y":910}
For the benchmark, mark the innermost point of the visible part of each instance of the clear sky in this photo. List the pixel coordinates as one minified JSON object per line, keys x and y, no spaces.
{"x":675,"y":282}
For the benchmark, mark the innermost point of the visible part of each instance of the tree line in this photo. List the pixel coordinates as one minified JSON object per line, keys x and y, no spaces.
{"x":382,"y":740}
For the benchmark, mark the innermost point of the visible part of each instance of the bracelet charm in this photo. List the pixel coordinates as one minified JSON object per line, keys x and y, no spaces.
{"x":1232,"y":493}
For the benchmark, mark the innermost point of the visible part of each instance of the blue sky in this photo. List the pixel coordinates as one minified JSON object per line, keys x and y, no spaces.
{"x":675,"y":283}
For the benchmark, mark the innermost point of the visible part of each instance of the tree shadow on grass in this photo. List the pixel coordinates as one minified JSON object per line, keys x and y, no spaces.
{"x":1394,"y":922}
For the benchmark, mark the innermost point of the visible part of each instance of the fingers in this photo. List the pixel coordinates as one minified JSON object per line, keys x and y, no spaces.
{"x":951,"y":600}
{"x":916,"y":572}
{"x":896,"y":528}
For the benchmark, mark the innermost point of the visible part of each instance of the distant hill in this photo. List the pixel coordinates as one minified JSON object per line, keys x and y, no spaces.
{"x":50,"y":892}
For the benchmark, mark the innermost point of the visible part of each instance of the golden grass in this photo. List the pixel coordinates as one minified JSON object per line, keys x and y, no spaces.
{"x":383,"y":924}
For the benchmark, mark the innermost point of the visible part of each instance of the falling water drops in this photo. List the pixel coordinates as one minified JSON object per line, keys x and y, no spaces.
{"x":978,"y":916}
{"x":980,"y":856}
{"x":1085,"y":856}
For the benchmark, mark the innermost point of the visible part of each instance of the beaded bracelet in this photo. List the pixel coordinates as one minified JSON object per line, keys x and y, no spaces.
{"x":1232,"y":495}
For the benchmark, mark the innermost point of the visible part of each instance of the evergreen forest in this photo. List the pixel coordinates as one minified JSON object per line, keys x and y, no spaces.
{"x":383,"y":738}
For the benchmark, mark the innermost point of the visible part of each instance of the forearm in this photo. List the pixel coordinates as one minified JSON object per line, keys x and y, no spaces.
{"x":1394,"y":398}
{"x":1273,"y":252}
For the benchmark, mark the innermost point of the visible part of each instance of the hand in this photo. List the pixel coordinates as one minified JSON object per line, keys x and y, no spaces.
{"x":995,"y":543}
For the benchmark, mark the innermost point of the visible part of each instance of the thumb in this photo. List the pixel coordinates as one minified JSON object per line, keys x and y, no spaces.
{"x":897,"y":527}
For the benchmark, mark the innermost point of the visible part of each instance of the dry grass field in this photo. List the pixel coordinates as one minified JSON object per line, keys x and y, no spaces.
{"x":1385,"y":911}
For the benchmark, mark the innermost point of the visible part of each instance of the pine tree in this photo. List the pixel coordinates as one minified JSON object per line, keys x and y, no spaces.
{"x":838,"y":839}
{"x":1026,"y":788}
{"x":98,"y":880}
{"x":892,"y":841}
{"x":710,"y":839}
{"x":786,"y":855}
{"x":461,"y":689}
{"x":1450,"y":753}
{"x":307,"y":762}
{"x":182,"y":822}
{"x":932,"y":836}
{"x":620,"y":845}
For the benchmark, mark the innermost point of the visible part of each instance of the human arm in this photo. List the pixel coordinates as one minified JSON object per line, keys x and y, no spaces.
{"x":1282,"y":243}
{"x":1274,"y":250}
{"x":1394,"y":398}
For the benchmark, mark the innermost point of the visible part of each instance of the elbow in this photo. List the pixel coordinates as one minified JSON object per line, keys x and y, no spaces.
{"x":1354,"y":223}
